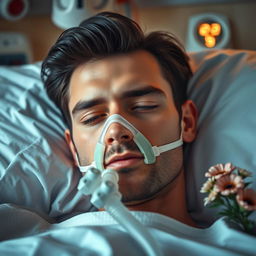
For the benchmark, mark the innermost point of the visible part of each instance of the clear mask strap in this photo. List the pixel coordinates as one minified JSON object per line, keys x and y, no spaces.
{"x":84,"y":168}
{"x":175,"y":144}
{"x":159,"y":150}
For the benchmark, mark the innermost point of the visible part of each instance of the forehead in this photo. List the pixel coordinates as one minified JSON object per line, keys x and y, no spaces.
{"x":117,"y":74}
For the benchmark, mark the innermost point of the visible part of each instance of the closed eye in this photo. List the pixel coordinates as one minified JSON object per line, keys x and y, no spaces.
{"x":144,"y":107}
{"x":94,"y":119}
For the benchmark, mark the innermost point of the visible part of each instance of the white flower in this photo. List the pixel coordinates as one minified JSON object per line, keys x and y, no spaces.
{"x":211,"y":197}
{"x":207,"y":186}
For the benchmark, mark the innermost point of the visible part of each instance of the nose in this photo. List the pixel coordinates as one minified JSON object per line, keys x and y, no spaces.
{"x":117,"y":133}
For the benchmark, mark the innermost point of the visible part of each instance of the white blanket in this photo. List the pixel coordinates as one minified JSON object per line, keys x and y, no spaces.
{"x":26,"y":233}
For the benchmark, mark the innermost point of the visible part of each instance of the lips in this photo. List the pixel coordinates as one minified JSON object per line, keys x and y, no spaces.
{"x":123,"y":160}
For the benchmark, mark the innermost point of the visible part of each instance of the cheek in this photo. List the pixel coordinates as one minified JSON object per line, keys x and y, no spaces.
{"x":85,"y":144}
{"x":162,"y":129}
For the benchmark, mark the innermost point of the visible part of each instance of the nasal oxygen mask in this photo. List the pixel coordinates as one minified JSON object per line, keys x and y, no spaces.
{"x":150,"y":152}
{"x":102,"y":184}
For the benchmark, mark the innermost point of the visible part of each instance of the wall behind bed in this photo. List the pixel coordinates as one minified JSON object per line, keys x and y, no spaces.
{"x":42,"y":33}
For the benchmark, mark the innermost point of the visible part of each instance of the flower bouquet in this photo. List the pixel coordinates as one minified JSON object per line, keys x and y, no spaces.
{"x":227,"y":186}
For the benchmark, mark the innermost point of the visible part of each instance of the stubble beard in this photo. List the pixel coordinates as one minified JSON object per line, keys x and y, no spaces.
{"x":159,"y":176}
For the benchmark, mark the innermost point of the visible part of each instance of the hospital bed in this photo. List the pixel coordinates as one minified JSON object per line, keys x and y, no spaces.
{"x":41,"y":210}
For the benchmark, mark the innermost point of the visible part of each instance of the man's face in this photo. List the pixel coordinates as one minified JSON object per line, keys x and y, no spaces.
{"x":132,"y":86}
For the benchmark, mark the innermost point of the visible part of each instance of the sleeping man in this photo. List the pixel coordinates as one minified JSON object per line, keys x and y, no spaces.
{"x":112,"y":82}
{"x":107,"y":67}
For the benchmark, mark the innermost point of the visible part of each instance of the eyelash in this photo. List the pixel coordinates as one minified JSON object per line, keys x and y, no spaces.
{"x":94,"y":119}
{"x":91,"y":120}
{"x":145,"y":107}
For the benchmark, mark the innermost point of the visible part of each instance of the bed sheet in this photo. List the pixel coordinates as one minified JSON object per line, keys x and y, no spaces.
{"x":26,"y":233}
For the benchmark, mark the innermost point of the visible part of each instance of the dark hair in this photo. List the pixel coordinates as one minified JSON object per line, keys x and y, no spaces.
{"x":107,"y":34}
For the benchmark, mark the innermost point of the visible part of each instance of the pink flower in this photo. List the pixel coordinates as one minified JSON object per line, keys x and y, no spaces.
{"x":226,"y":186}
{"x":229,"y":184}
{"x":247,"y":199}
{"x":219,"y":170}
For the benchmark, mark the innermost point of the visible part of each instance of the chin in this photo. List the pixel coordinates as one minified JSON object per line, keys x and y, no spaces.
{"x":132,"y":196}
{"x":130,"y":203}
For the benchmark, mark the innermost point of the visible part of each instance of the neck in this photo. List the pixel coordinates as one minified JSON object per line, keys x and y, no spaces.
{"x":170,"y":202}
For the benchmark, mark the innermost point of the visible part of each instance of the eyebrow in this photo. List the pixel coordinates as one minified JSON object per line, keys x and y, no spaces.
{"x":82,"y":105}
{"x":142,"y":91}
{"x":86,"y":104}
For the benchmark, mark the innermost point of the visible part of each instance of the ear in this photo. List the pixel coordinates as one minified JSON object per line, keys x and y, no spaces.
{"x":70,"y":143}
{"x":189,"y":120}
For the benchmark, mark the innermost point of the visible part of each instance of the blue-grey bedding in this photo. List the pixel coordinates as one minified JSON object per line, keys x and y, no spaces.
{"x":98,"y":234}
{"x":38,"y":183}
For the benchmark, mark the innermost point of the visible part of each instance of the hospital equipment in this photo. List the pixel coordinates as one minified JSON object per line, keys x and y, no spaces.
{"x":14,"y":49}
{"x":104,"y":189}
{"x":104,"y":186}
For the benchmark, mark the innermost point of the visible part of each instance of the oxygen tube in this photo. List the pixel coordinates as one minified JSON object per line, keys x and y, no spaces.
{"x":103,"y":184}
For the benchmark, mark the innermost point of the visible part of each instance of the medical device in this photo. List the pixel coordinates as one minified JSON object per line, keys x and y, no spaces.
{"x":104,"y":190}
{"x":14,"y":49}
{"x":150,"y":152}
{"x":14,"y":10}
{"x":103,"y":184}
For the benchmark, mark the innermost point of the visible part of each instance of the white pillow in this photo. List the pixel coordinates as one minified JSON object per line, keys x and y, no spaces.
{"x":224,"y":90}
{"x":36,"y":170}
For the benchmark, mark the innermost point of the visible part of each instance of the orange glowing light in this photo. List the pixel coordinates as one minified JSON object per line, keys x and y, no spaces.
{"x":215,"y":29}
{"x":210,"y":41}
{"x":210,"y":33}
{"x":204,"y":29}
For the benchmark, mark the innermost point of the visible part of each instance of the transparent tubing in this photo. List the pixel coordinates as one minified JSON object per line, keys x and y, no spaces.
{"x":122,"y":215}
{"x":103,"y":186}
{"x":108,"y":197}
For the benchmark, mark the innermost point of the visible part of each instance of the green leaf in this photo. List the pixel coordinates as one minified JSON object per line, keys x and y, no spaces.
{"x":214,"y":204}
{"x":242,"y":209}
{"x":224,"y":213}
{"x":231,"y":197}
